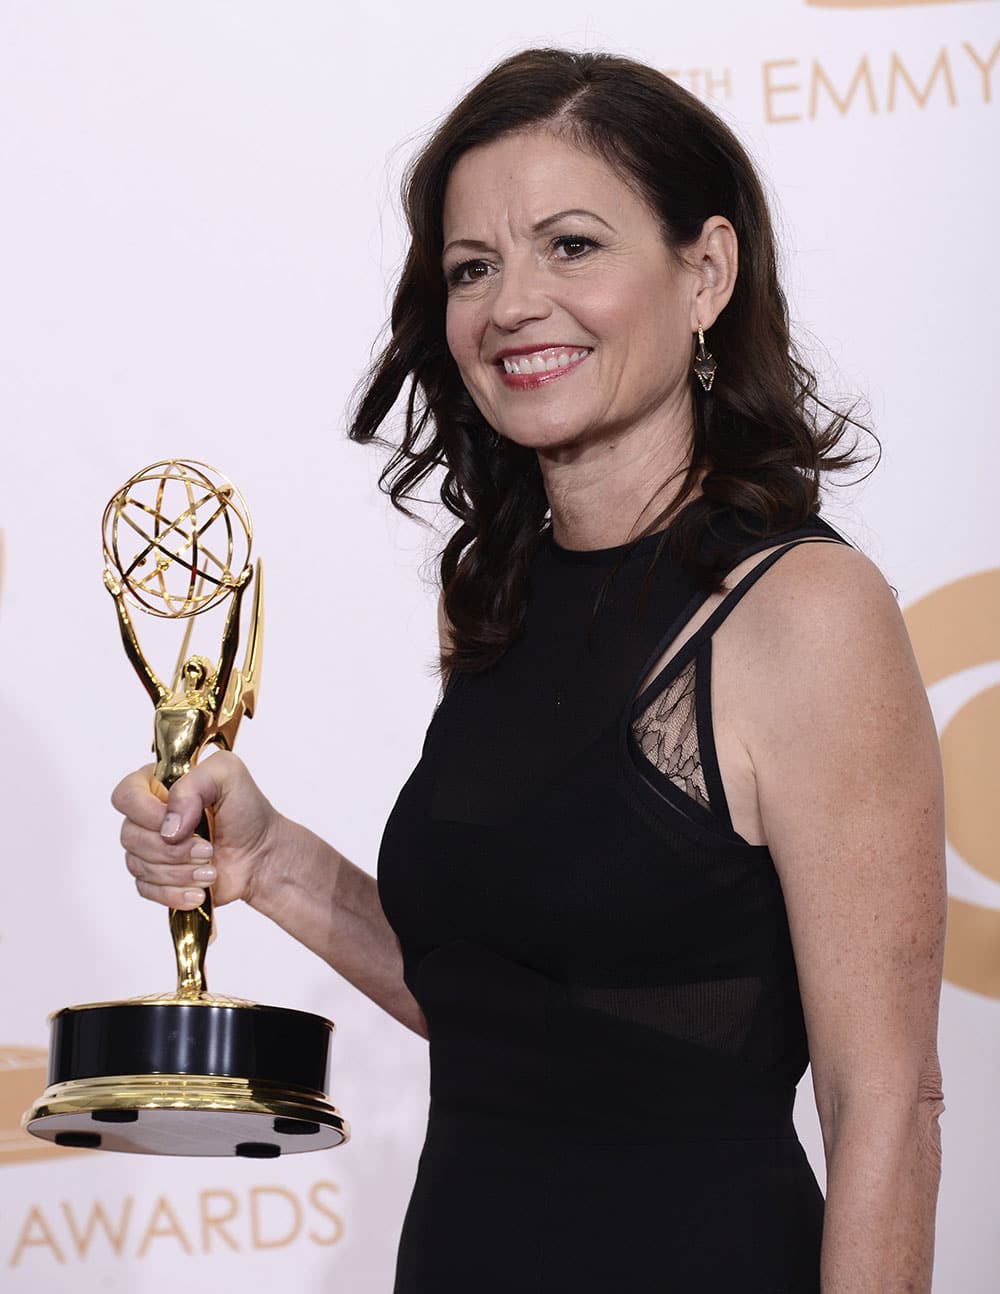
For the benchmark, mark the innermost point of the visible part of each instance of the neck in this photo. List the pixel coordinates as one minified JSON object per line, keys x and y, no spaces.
{"x":605,"y":493}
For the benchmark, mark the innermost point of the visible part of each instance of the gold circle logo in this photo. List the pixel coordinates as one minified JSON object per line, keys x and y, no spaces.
{"x":875,"y":4}
{"x":22,"y":1077}
{"x":956,"y":628}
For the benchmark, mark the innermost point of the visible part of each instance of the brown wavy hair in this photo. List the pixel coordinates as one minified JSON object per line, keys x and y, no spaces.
{"x":761,"y":437}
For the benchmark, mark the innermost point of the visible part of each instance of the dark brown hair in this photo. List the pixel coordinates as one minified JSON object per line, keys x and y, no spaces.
{"x":761,"y":437}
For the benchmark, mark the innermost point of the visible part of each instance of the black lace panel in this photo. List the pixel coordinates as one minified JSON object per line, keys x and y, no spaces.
{"x":667,"y":734}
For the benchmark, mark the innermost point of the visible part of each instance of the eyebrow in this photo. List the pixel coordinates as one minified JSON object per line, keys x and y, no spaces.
{"x":474,"y":245}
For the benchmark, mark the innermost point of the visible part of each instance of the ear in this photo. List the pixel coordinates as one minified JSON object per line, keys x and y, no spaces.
{"x":715,"y":260}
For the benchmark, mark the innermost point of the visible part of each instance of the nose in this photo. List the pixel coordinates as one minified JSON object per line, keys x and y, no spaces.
{"x":519,"y":297}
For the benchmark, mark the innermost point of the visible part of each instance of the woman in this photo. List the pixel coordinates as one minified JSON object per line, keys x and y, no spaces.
{"x":677,"y":824}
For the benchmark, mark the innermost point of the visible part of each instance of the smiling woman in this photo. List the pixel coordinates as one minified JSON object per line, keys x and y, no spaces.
{"x":676,"y":829}
{"x":594,"y":282}
{"x":635,"y":985}
{"x":583,"y":204}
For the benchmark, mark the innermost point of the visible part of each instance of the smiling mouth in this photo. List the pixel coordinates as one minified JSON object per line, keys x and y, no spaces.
{"x":550,"y":360}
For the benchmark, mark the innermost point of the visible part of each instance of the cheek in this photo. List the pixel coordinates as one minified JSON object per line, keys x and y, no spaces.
{"x":462,"y":335}
{"x":631,"y":315}
{"x":652,"y":319}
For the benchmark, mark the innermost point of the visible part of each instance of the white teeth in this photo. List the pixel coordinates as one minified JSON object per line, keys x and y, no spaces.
{"x":525,"y":364}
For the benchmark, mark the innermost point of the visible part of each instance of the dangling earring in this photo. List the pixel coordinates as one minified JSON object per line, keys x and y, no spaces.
{"x":705,"y":363}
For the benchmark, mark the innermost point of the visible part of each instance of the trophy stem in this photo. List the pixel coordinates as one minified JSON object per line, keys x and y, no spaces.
{"x":191,"y":932}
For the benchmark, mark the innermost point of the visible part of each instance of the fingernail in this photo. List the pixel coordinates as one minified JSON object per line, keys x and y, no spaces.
{"x":170,"y":825}
{"x":194,"y":897}
{"x":206,"y":874}
{"x":201,"y":849}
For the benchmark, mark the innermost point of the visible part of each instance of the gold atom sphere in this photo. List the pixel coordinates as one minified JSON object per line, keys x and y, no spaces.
{"x":177,"y":535}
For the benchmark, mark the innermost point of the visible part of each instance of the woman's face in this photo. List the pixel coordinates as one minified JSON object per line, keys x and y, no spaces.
{"x":568,"y":317}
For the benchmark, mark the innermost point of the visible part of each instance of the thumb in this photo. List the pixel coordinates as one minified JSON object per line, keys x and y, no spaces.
{"x":188,"y":799}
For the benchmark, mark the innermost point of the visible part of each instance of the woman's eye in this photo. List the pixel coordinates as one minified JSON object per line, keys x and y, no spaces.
{"x":573,"y":246}
{"x":469,"y":272}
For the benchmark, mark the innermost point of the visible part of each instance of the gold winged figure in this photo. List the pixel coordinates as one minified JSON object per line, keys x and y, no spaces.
{"x":203,"y":707}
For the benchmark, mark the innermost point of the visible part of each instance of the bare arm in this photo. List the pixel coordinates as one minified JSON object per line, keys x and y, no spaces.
{"x":280,"y":868}
{"x":332,"y":907}
{"x":850,"y":792}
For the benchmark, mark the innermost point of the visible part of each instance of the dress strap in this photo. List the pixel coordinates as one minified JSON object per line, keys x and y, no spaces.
{"x":690,"y":648}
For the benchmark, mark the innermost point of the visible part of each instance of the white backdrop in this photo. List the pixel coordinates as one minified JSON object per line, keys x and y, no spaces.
{"x":198,"y":236}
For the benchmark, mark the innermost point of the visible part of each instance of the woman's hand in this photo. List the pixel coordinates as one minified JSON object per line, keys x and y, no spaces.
{"x":285,"y":871}
{"x":172,"y":865}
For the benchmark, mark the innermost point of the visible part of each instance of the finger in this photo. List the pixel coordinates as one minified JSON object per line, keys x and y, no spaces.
{"x":133,"y":797}
{"x":190,"y":795}
{"x":151,"y":846}
{"x":190,"y":875}
{"x":172,"y":897}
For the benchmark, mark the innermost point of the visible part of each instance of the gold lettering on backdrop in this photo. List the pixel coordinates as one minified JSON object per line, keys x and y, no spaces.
{"x":211,"y":1221}
{"x":876,"y":4}
{"x":953,"y":629}
{"x":703,"y":82}
{"x":784,"y":77}
{"x":315,"y":1192}
{"x":863,"y":76}
{"x":22,"y":1077}
{"x":35,"y":1233}
{"x":970,"y":752}
{"x":169,"y":1227}
{"x":972,"y":947}
{"x":897,"y":69}
{"x":985,"y":69}
{"x":116,"y":1238}
{"x":239,"y":1221}
{"x":785,"y":87}
{"x":256,"y":1231}
{"x":723,"y":84}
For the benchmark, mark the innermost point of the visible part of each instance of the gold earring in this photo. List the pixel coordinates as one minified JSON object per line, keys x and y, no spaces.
{"x":705,"y":364}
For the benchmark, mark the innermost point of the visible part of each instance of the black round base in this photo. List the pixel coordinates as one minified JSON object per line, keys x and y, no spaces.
{"x":196,"y":1077}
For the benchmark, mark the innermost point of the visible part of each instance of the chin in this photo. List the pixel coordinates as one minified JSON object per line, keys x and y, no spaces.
{"x":540,"y":428}
{"x":543,"y":437}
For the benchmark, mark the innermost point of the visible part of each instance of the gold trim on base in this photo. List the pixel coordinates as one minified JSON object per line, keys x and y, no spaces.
{"x":200,"y":1000}
{"x":182,"y":1092}
{"x":216,"y":1104}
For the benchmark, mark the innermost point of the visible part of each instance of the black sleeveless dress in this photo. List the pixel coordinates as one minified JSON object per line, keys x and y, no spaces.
{"x":604,"y":964}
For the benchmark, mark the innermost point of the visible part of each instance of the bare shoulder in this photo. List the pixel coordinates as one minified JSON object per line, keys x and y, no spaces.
{"x":827,"y":593}
{"x":835,"y":722}
{"x":827,"y":673}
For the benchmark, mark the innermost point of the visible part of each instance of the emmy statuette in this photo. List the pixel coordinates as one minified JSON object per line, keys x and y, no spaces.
{"x":189,"y":1072}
